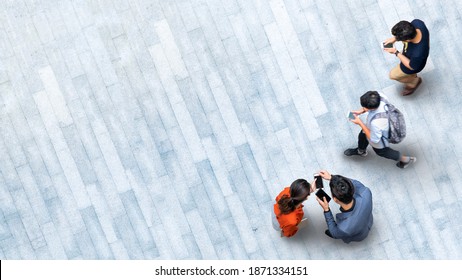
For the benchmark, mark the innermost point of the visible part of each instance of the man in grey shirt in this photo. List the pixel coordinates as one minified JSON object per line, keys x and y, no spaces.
{"x":355,"y":220}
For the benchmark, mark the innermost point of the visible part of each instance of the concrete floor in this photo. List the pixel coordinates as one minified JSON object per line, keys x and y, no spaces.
{"x":164,"y":129}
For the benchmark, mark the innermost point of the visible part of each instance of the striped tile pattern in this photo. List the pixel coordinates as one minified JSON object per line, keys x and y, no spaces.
{"x":163,"y":129}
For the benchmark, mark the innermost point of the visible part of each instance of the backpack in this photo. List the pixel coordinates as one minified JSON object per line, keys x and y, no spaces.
{"x":396,"y":123}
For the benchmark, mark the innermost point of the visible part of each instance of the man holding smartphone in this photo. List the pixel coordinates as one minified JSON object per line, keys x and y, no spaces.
{"x":375,"y":131}
{"x":416,"y":40}
{"x":354,"y":221}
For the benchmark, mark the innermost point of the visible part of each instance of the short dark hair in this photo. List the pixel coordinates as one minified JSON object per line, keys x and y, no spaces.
{"x":342,"y":188}
{"x":299,"y":191}
{"x":370,"y":100}
{"x":403,"y":31}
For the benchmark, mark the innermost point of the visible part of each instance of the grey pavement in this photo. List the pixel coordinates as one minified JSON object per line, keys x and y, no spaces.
{"x":164,"y":129}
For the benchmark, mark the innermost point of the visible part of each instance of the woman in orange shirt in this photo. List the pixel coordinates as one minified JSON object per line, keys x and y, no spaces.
{"x":288,"y":209}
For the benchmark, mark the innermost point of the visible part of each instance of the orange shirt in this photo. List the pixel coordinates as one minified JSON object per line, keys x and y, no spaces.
{"x":288,"y":222}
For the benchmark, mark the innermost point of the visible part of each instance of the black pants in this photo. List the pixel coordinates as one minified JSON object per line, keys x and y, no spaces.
{"x":386,"y":152}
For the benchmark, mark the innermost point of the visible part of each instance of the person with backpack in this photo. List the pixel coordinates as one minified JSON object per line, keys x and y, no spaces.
{"x":384,"y":125}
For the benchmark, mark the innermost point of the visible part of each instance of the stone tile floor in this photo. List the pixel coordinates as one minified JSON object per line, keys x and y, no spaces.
{"x":164,"y":129}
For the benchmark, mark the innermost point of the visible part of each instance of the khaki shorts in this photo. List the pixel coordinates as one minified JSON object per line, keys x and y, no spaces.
{"x":398,"y":74}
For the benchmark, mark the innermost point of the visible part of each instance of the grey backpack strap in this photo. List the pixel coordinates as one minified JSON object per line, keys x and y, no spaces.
{"x":381,"y":115}
{"x":384,"y":99}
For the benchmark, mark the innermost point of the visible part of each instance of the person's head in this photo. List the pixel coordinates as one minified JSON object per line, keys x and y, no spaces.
{"x":342,"y":189}
{"x":299,"y":192}
{"x":370,"y":100}
{"x":404,"y":31}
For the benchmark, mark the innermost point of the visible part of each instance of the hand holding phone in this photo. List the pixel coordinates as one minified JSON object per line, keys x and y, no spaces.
{"x":387,"y":46}
{"x":318,"y":178}
{"x":321,"y":194}
{"x":351,"y":116}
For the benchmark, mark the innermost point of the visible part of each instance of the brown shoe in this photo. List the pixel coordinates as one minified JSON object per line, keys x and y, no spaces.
{"x":409,"y":91}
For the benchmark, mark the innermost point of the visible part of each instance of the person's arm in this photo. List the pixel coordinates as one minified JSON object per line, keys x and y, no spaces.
{"x":333,"y":227}
{"x":391,"y":40}
{"x":313,"y":186}
{"x":417,"y":62}
{"x":377,"y":127}
{"x":404,"y":59}
{"x":330,"y":221}
{"x":359,"y":111}
{"x":359,"y":122}
{"x":325,"y":175}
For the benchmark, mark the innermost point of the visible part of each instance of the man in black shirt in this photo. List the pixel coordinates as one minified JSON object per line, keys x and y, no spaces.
{"x":416,"y":40}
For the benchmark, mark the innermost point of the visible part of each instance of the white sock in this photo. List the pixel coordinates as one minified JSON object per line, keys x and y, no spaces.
{"x":406,"y":159}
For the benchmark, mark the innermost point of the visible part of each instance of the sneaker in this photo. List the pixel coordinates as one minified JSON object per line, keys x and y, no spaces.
{"x":355,"y":152}
{"x":401,"y":164}
{"x":327,"y":232}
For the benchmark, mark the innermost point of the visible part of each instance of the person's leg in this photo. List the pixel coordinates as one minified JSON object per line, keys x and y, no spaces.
{"x":410,"y":81}
{"x":402,"y":161}
{"x":362,"y":141}
{"x":405,"y":161}
{"x":361,"y":150}
{"x":389,"y":153}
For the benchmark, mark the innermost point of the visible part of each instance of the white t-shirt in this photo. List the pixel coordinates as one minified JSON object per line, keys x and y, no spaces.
{"x":379,"y":127}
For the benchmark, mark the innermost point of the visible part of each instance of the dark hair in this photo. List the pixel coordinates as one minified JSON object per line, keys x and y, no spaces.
{"x":299,"y":191}
{"x":403,"y":31}
{"x":342,"y":188}
{"x":370,"y":100}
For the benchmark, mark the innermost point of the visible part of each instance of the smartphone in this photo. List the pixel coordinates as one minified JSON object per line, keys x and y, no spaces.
{"x":387,"y":46}
{"x":318,"y":179}
{"x":321,"y":194}
{"x":351,"y":116}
